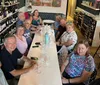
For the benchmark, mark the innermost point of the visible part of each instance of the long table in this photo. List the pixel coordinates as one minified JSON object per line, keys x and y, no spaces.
{"x":49,"y":73}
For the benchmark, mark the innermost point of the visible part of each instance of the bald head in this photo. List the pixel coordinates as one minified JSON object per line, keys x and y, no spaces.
{"x":27,"y":23}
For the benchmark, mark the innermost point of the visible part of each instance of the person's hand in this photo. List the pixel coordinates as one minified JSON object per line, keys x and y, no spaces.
{"x":33,"y":65}
{"x":64,"y":80}
{"x":33,"y":29}
{"x":26,"y":59}
{"x":57,"y":43}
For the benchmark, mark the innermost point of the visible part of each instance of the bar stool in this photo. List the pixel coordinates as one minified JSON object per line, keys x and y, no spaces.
{"x":98,"y":54}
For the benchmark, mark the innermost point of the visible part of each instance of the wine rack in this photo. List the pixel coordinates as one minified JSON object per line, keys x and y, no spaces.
{"x":8,"y":18}
{"x":86,"y":25}
{"x":78,"y":19}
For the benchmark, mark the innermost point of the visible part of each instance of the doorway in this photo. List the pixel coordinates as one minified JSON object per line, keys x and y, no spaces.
{"x":71,"y":9}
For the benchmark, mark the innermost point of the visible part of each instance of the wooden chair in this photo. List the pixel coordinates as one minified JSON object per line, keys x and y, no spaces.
{"x":95,"y":82}
{"x":93,"y":76}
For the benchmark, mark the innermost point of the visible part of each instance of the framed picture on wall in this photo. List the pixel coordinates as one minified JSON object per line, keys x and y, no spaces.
{"x":50,"y":6}
{"x":51,"y":3}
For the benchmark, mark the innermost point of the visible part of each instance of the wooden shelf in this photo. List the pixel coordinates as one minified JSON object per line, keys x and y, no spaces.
{"x":1,"y":44}
{"x":7,"y":27}
{"x":90,"y":6}
{"x":9,"y":5}
{"x":7,"y":17}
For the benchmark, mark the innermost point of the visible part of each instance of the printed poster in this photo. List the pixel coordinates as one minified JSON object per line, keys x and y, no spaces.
{"x":50,"y":3}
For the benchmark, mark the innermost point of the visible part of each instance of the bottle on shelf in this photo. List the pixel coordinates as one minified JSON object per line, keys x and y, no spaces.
{"x":3,"y":26}
{"x":1,"y":15}
{"x":4,"y":12}
{"x":6,"y":3}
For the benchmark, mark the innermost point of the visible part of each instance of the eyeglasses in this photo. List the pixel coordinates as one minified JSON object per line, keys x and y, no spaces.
{"x":69,"y":22}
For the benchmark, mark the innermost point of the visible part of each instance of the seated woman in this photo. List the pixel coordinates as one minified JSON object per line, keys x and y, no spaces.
{"x":2,"y":77}
{"x":78,"y":66}
{"x":68,"y":39}
{"x":36,"y":18}
{"x":21,"y":40}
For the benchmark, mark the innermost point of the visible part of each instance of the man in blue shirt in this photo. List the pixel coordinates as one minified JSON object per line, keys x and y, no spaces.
{"x":21,"y":19}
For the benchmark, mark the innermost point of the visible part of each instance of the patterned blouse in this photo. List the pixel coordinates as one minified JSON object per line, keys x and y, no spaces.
{"x":79,"y":63}
{"x":69,"y":36}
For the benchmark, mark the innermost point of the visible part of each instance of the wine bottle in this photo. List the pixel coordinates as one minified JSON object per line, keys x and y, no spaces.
{"x":3,"y":26}
{"x":1,"y":16}
{"x":4,"y":12}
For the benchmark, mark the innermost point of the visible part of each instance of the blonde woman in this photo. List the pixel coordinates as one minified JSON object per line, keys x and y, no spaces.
{"x":68,"y":39}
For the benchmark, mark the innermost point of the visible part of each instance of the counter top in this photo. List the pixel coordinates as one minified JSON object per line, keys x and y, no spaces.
{"x":48,"y":73}
{"x":96,"y":17}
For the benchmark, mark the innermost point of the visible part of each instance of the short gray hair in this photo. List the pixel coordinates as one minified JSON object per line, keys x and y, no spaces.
{"x":8,"y":36}
{"x":20,"y":13}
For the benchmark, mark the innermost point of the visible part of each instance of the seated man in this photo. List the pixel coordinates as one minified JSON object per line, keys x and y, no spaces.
{"x":61,"y":28}
{"x":27,"y":32}
{"x":9,"y":55}
{"x":21,"y":18}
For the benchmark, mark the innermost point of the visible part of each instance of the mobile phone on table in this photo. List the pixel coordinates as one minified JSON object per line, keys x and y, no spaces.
{"x":35,"y":46}
{"x":34,"y":58}
{"x":37,"y":43}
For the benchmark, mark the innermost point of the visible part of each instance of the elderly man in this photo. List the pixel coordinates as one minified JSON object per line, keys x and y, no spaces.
{"x":9,"y":55}
{"x":61,"y":28}
{"x":21,"y":19}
